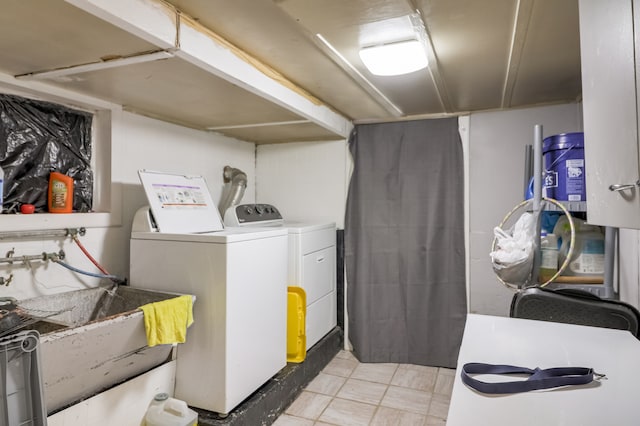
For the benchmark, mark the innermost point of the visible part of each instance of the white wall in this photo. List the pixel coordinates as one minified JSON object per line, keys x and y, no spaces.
{"x":306,"y":181}
{"x":137,"y":142}
{"x":309,"y":181}
{"x":629,"y":266}
{"x":497,"y":143}
{"x":143,"y":143}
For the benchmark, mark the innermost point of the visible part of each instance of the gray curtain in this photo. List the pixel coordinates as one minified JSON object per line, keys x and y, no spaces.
{"x":404,"y":243}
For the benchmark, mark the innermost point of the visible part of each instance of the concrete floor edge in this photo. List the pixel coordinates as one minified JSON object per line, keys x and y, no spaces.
{"x":265,"y":405}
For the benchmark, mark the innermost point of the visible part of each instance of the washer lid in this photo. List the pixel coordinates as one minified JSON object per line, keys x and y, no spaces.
{"x":180,"y":204}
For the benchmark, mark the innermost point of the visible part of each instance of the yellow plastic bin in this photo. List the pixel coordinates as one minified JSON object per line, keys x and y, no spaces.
{"x":296,"y":314}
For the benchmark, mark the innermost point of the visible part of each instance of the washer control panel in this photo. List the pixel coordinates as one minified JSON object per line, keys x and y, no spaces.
{"x":253,"y":214}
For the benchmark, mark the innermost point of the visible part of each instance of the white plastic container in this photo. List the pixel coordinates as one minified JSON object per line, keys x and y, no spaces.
{"x":588,"y":253}
{"x":167,"y":411}
{"x":548,"y":257}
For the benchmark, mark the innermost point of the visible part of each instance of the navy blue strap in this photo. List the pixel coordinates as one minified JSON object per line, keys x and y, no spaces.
{"x":538,"y":379}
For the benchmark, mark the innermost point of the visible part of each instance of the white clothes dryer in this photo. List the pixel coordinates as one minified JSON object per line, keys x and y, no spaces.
{"x":312,"y":262}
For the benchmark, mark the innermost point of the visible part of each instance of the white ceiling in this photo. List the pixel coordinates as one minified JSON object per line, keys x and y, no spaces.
{"x":484,"y":55}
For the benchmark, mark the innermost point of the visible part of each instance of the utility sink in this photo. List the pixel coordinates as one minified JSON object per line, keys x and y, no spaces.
{"x":95,"y":341}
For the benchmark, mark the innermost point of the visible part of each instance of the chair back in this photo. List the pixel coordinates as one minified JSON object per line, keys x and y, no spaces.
{"x":574,"y":307}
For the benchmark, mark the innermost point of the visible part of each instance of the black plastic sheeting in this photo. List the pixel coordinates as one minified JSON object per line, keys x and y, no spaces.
{"x":37,"y":138}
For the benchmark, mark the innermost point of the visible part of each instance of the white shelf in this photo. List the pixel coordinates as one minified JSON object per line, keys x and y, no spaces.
{"x":572,"y":206}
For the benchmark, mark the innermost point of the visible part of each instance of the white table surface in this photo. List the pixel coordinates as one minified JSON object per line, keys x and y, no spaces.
{"x":527,"y":343}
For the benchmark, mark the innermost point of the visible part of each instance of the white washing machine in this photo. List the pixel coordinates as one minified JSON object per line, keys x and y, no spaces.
{"x":312,"y":262}
{"x":239,"y":276}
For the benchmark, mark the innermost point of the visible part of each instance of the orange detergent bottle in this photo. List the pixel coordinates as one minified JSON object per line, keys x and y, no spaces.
{"x":60,"y":194}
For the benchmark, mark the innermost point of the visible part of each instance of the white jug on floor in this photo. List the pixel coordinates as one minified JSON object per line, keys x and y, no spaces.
{"x":167,"y":411}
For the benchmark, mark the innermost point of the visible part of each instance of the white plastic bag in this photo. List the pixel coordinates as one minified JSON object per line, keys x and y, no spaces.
{"x":513,"y":256}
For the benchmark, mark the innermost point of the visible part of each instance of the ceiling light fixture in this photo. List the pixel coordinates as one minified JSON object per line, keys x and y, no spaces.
{"x":357,"y":75}
{"x":402,"y":57}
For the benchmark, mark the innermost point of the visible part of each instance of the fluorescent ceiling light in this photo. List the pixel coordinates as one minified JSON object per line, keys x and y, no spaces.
{"x":398,"y":58}
{"x":96,"y":66}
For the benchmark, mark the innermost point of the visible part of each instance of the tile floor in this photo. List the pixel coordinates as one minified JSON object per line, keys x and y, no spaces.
{"x":350,"y":393}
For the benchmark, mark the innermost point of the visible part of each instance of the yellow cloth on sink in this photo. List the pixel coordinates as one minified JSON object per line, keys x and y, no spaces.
{"x":166,"y":321}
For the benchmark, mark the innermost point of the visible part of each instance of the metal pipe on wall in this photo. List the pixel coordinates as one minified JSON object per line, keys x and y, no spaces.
{"x":537,"y":196}
{"x":28,"y":258}
{"x":53,"y":233}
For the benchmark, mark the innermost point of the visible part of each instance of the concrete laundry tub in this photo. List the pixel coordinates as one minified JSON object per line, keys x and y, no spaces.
{"x":96,"y":342}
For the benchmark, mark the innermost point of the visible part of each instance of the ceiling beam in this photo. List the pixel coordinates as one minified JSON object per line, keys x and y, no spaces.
{"x":253,"y":125}
{"x":355,"y":75}
{"x":121,"y":61}
{"x":434,"y":70}
{"x":205,"y":49}
{"x":521,"y":21}
{"x":154,"y":21}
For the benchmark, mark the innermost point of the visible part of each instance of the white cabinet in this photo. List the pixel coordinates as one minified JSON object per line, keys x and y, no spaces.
{"x":609,"y":49}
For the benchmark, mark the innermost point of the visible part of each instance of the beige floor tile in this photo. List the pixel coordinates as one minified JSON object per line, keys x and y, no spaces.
{"x":434,"y":421}
{"x":342,"y":367}
{"x":447,"y":371}
{"x":406,"y":399}
{"x":346,"y":392}
{"x":345,"y":355}
{"x":444,"y":382}
{"x":326,"y":384}
{"x":415,"y":377}
{"x":415,"y":367}
{"x":386,"y":416}
{"x":439,"y":406}
{"x":373,"y":372}
{"x":362,"y":391}
{"x":308,"y":405}
{"x":287,"y":420}
{"x":348,"y":413}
